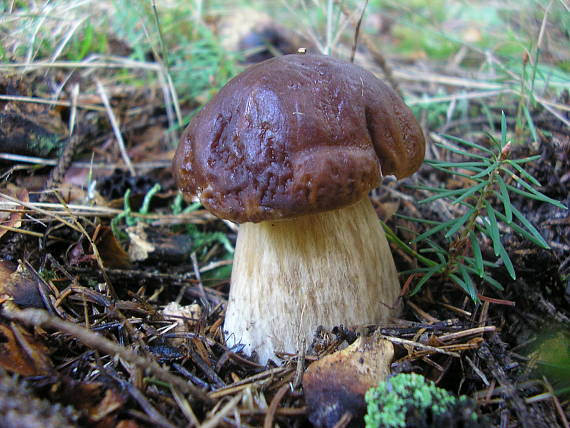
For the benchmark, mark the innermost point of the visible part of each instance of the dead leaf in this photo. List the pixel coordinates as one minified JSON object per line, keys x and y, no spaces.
{"x":336,"y":384}
{"x":157,"y":244}
{"x":13,"y":219}
{"x":386,"y":210}
{"x":110,"y":249}
{"x":111,"y":402}
{"x":21,"y":353}
{"x":139,"y":248}
{"x":18,"y":284}
{"x":186,"y":318}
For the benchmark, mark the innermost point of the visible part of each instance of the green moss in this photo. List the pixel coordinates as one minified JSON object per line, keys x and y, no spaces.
{"x":410,"y":396}
{"x":44,"y":145}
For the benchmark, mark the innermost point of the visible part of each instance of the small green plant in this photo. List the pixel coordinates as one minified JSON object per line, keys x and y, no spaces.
{"x":201,"y":239}
{"x":494,"y":177}
{"x":410,"y":396}
{"x":127,"y":213}
{"x":89,"y":42}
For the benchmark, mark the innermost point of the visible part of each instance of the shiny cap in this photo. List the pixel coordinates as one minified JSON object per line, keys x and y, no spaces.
{"x":295,"y":135}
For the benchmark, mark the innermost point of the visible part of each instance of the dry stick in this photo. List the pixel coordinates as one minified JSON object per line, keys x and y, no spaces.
{"x":244,"y":383}
{"x":29,"y":232}
{"x":155,"y":416}
{"x":37,"y":100}
{"x":478,"y":371}
{"x":115,"y":127}
{"x":92,"y":165}
{"x":509,"y":393}
{"x":268,"y":422}
{"x":12,"y":205}
{"x":217,"y":418}
{"x":40,"y":318}
{"x":557,"y":404}
{"x":204,"y":299}
{"x":376,"y":54}
{"x":300,"y":365}
{"x":344,"y":420}
{"x":208,"y":371}
{"x":111,"y":62}
{"x":165,"y":69}
{"x":422,"y":313}
{"x":419,"y":345}
{"x":185,"y":407}
{"x":63,"y":163}
{"x":357,"y":31}
{"x":470,"y":332}
{"x":35,"y":207}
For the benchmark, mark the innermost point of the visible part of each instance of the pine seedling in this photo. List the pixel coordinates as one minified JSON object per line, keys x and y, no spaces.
{"x":494,"y":176}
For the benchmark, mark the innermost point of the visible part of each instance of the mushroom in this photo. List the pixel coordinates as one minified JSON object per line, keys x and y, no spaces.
{"x":290,"y":149}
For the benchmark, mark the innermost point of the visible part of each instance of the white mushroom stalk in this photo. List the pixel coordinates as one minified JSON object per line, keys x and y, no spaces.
{"x":291,"y":276}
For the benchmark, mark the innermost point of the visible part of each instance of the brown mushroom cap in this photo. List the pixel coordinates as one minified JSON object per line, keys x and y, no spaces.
{"x":295,"y":135}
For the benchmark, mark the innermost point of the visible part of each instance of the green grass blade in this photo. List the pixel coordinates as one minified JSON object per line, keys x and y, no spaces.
{"x":503,"y":195}
{"x":392,"y":237}
{"x":536,"y":195}
{"x":425,"y":278}
{"x":470,"y":291}
{"x":434,"y":230}
{"x":507,"y":262}
{"x":429,"y":188}
{"x":445,"y":194}
{"x":192,"y":207}
{"x":469,"y":192}
{"x":528,"y":225}
{"x":459,"y":223}
{"x":433,"y":162}
{"x":503,"y":129}
{"x":493,"y":229}
{"x":524,"y":160}
{"x":148,"y":198}
{"x":461,"y":152}
{"x":487,"y":170}
{"x":468,"y":144}
{"x":523,"y":173}
{"x":459,"y":174}
{"x":530,"y":123}
{"x":417,"y":220}
{"x":437,"y":249}
{"x":487,"y":278}
{"x":478,"y":256}
{"x":468,"y":280}
{"x":523,"y":232}
{"x":487,"y":263}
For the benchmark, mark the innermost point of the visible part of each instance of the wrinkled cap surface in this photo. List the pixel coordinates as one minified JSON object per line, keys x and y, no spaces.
{"x":295,"y":135}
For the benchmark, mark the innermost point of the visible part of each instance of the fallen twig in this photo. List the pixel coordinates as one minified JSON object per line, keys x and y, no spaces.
{"x":40,"y":318}
{"x":419,"y":345}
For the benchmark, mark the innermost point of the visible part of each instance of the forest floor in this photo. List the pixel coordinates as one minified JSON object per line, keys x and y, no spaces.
{"x":96,"y":241}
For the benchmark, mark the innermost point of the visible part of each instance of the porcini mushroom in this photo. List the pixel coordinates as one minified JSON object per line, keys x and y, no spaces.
{"x":290,"y":149}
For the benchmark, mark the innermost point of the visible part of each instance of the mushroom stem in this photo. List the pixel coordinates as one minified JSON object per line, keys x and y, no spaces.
{"x":291,"y":276}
